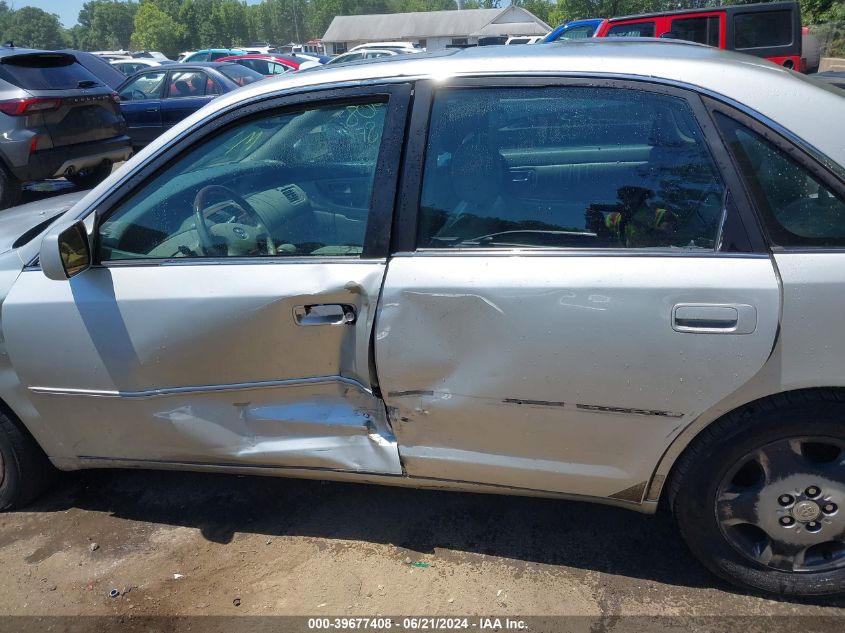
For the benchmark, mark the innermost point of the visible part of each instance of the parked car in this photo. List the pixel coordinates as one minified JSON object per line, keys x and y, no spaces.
{"x":361,"y":54}
{"x":268,"y":65}
{"x":524,"y":39}
{"x":131,"y":66}
{"x":408,"y":46}
{"x":581,"y":282}
{"x":209,"y":55}
{"x":314,"y":57}
{"x":56,"y":119}
{"x":575,"y":30}
{"x":155,"y":99}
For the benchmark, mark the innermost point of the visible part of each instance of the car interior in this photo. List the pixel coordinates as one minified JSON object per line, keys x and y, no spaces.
{"x":567,"y":167}
{"x":295,"y":184}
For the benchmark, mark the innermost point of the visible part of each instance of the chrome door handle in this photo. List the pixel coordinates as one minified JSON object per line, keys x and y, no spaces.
{"x":714,"y":318}
{"x":324,"y":314}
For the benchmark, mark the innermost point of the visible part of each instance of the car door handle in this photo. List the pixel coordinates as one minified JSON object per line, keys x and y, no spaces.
{"x":324,"y":314}
{"x":714,"y":318}
{"x":153,"y":109}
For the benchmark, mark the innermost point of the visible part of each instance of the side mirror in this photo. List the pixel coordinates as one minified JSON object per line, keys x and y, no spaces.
{"x":65,"y":251}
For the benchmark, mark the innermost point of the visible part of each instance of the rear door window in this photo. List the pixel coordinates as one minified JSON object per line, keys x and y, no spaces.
{"x":567,"y":167}
{"x":702,"y":29}
{"x":46,"y":71}
{"x":635,"y":29}
{"x":762,"y":29}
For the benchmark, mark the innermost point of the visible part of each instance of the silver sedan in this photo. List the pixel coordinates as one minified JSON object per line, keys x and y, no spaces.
{"x":604,"y":270}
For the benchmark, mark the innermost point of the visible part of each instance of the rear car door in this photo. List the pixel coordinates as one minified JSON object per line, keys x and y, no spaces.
{"x":140,"y":103}
{"x":228,"y":318}
{"x":187,"y":92}
{"x":575,"y":281}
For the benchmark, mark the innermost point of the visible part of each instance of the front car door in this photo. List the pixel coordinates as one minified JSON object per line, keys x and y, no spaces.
{"x":227,"y":318}
{"x":140,"y":104}
{"x":577,"y":279}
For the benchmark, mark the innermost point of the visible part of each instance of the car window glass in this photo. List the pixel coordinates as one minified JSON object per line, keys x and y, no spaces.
{"x":258,"y":65}
{"x":46,"y":71}
{"x":146,"y":86}
{"x":289,"y":184}
{"x":188,"y":84}
{"x":638,"y":29}
{"x":762,"y":29}
{"x":197,"y":57}
{"x":704,"y":30}
{"x":278,"y":69}
{"x":797,"y":208}
{"x":241,"y":75}
{"x":578,"y":32}
{"x":567,"y":167}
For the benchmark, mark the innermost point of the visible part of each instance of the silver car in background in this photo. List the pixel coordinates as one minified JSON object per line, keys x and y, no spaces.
{"x":601,"y":270}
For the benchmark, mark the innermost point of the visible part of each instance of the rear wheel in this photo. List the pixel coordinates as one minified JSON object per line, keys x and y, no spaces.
{"x":91,"y":177}
{"x":10,"y":189}
{"x":25,"y":470}
{"x":760,"y":495}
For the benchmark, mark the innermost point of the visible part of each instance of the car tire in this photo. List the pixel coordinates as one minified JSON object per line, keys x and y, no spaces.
{"x":10,"y":189}
{"x":743,"y":495}
{"x":25,"y":470}
{"x":90,"y":178}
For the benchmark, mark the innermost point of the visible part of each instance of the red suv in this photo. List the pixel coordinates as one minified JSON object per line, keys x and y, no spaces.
{"x":771,"y":30}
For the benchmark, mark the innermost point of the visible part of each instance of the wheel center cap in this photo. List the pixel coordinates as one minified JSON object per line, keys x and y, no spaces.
{"x":805,"y":511}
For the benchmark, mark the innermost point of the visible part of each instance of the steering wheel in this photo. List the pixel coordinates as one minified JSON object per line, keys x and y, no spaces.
{"x":139,"y":95}
{"x":234,"y":238}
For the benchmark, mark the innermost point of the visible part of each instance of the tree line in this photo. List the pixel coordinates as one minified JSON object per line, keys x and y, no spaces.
{"x":171,"y":26}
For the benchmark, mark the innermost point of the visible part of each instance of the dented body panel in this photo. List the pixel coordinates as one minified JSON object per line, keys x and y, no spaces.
{"x":559,"y":372}
{"x":203,"y":363}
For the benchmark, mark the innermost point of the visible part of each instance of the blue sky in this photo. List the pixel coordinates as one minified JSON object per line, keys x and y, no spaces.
{"x":67,"y":10}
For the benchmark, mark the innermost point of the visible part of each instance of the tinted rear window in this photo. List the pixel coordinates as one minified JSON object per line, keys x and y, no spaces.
{"x":763,"y":29}
{"x":639,"y":29}
{"x":46,"y":71}
{"x":241,"y":75}
{"x":704,"y":30}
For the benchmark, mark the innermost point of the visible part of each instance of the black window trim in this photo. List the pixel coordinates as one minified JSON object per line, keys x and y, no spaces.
{"x":817,"y":164}
{"x":742,"y":229}
{"x":380,"y":217}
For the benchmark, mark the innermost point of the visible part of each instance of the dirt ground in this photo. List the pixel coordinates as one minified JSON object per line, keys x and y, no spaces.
{"x":201,"y":544}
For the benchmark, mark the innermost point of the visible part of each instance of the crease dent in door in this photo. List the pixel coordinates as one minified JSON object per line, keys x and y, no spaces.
{"x":240,"y":383}
{"x":555,"y":373}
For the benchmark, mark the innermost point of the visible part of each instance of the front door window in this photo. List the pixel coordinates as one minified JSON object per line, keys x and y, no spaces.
{"x":286,"y":184}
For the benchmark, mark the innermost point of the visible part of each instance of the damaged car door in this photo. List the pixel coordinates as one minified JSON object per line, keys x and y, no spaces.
{"x":227,"y":316}
{"x":574,"y":283}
